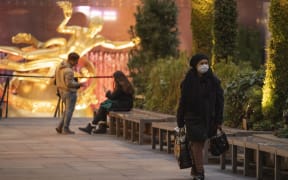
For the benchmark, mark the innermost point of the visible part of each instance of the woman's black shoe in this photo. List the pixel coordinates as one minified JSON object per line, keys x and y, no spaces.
{"x":87,"y":129}
{"x":199,"y":177}
{"x":100,"y":129}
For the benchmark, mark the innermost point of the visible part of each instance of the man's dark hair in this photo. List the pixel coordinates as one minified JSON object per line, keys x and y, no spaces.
{"x":73,"y":56}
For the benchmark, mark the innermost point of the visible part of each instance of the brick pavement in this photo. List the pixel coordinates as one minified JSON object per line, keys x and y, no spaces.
{"x":30,"y":149}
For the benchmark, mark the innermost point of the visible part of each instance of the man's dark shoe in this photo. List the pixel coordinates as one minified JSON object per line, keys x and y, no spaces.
{"x":58,"y":130}
{"x":87,"y":129}
{"x":68,"y":131}
{"x":99,"y":131}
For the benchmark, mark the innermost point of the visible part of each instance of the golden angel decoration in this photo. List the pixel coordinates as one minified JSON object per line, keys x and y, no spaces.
{"x":31,"y":88}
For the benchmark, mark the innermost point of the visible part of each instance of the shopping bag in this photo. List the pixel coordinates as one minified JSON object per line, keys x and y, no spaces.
{"x":181,"y":150}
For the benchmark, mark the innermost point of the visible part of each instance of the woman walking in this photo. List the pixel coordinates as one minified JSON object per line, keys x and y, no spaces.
{"x":200,"y":109}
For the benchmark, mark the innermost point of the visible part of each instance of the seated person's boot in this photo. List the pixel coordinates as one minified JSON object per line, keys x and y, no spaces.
{"x":101,"y":128}
{"x":87,"y":129}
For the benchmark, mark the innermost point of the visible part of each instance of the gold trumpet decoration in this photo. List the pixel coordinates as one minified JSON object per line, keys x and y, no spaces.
{"x":41,"y":58}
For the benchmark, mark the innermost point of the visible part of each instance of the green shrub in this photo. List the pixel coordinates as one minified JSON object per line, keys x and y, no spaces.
{"x":276,"y":86}
{"x":243,"y":91}
{"x":228,"y":71}
{"x":201,"y":26}
{"x":264,"y":125}
{"x":163,"y":90}
{"x":254,"y":98}
{"x":156,"y":25}
{"x":281,"y":129}
{"x":224,"y":30}
{"x":250,"y":48}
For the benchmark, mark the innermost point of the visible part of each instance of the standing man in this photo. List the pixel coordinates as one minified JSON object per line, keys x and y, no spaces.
{"x":67,"y":87}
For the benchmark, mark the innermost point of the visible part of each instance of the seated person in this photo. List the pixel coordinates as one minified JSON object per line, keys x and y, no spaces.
{"x":120,"y":99}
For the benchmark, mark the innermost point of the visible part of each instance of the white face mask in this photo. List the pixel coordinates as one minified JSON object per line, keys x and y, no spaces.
{"x":203,"y":68}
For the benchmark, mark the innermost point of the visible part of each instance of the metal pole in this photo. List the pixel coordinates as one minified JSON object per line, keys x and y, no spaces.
{"x":7,"y":97}
{"x":57,"y":110}
{"x":3,"y":96}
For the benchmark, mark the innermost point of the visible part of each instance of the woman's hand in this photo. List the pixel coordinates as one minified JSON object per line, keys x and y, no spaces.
{"x":105,"y":89}
{"x":219,"y":126}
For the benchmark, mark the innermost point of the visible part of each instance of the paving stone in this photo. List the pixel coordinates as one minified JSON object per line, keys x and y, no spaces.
{"x":31,"y":149}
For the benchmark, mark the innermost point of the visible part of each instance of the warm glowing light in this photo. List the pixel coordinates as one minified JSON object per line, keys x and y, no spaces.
{"x":266,"y":101}
{"x":26,"y":89}
{"x":42,"y":86}
{"x":81,"y":106}
{"x":95,"y":13}
{"x":269,"y":87}
{"x":203,"y":7}
{"x":106,"y":15}
{"x":109,"y":15}
{"x":83,"y":9}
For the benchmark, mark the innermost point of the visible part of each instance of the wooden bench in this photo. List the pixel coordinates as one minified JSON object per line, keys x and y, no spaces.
{"x":163,"y":134}
{"x":242,"y":132}
{"x":253,"y":149}
{"x":166,"y":134}
{"x":132,"y":124}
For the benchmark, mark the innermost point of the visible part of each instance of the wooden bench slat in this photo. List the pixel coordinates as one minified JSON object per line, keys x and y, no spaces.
{"x":260,"y":146}
{"x":140,"y":118}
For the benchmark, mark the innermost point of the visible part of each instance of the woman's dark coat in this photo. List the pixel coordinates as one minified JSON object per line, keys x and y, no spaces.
{"x":201,"y":104}
{"x":118,"y":100}
{"x":121,"y":100}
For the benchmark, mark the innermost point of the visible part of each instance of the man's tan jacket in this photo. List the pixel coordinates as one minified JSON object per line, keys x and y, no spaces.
{"x":64,"y":78}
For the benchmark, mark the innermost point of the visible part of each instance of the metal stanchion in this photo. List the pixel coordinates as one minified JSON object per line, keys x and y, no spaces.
{"x":5,"y":93}
{"x":57,"y":109}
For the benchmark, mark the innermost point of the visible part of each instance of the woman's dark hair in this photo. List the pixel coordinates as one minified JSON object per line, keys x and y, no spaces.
{"x":122,"y":82}
{"x":196,"y":58}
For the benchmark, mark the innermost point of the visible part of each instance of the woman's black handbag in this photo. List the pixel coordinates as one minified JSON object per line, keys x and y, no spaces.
{"x":219,"y":144}
{"x":181,"y":150}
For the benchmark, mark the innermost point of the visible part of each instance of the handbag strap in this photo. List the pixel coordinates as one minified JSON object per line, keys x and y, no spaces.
{"x":220,"y":129}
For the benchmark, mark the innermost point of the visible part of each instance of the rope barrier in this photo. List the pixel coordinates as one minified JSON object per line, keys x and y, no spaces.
{"x":6,"y":87}
{"x":15,"y":75}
